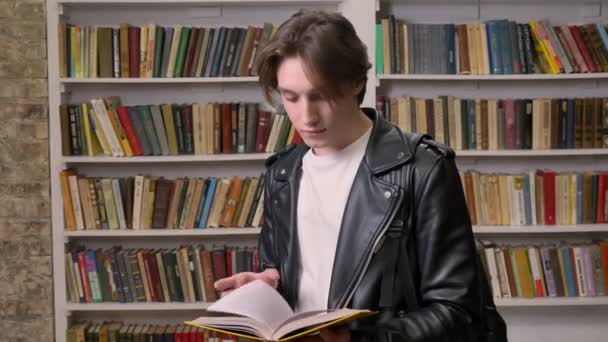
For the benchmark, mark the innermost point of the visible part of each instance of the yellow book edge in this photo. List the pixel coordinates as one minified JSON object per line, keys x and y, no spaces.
{"x":345,"y":319}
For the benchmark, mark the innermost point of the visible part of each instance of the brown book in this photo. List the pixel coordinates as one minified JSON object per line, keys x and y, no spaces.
{"x":247,"y":49}
{"x":464,"y":64}
{"x":471,"y":197}
{"x":199,"y":188}
{"x":104,"y":51}
{"x":241,"y":202}
{"x":196,"y":58}
{"x":208,"y":276}
{"x":175,"y":196}
{"x":597,"y":46}
{"x":66,"y":146}
{"x":263,"y":129}
{"x":578,"y":122}
{"x":587,"y":127}
{"x":227,"y":214}
{"x":598,"y":107}
{"x":483,"y":106}
{"x":162,"y":200}
{"x":509,"y":268}
{"x":191,"y":47}
{"x":555,"y":122}
{"x":124,"y":50}
{"x":85,"y":203}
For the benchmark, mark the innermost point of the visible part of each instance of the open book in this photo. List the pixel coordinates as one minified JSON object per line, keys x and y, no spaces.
{"x":257,"y":311}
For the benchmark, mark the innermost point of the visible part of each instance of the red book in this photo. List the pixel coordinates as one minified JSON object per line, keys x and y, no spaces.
{"x":125,"y":121}
{"x":158,"y":289}
{"x":580,"y":42}
{"x":83,"y":277}
{"x":549,"y":199}
{"x":600,"y":215}
{"x":226,"y":128}
{"x":228,"y":262}
{"x":256,"y":260}
{"x":262,"y":131}
{"x":149,"y":277}
{"x":134,"y":33}
{"x":604,"y":259}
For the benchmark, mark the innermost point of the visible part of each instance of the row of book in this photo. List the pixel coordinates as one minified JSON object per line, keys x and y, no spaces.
{"x":539,"y":197}
{"x":500,"y":124}
{"x":182,"y":274}
{"x":115,"y":331}
{"x":579,"y":270}
{"x":497,"y":46}
{"x":145,"y":202}
{"x":146,"y":51}
{"x":105,"y":127}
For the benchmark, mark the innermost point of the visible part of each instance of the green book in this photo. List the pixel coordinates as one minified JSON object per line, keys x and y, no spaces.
{"x":379,"y":51}
{"x":184,"y":37}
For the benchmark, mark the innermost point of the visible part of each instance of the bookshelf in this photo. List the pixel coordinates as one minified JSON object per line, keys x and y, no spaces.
{"x":192,"y":89}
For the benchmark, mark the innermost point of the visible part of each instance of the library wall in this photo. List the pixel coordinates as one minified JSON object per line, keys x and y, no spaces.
{"x":26,"y":302}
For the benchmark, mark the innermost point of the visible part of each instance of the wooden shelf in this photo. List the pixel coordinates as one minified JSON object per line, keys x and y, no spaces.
{"x":163,"y":232}
{"x":542,"y":229}
{"x":515,"y":77}
{"x":160,"y":80}
{"x":168,"y":159}
{"x":533,"y":153}
{"x":70,"y":307}
{"x":551,"y":301}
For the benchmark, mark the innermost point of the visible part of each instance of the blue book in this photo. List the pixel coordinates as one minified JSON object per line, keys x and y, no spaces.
{"x":506,"y":47}
{"x":570,"y":124}
{"x":494,"y":47}
{"x":199,"y":210}
{"x":527,"y":199}
{"x":208,"y":201}
{"x":568,"y":271}
{"x":451,"y":42}
{"x":471,"y":125}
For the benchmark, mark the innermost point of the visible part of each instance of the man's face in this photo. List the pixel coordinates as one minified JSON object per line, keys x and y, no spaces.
{"x":321,"y":122}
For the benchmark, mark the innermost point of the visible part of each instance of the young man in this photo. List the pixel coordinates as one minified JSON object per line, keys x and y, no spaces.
{"x":339,"y":229}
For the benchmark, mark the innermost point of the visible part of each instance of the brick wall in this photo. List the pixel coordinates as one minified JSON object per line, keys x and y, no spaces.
{"x":26,"y":304}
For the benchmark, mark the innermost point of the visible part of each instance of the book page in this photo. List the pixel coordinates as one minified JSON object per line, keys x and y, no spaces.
{"x":258,"y":301}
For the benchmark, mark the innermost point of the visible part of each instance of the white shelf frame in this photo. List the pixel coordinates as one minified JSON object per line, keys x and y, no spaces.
{"x":137,"y":233}
{"x":176,"y":306}
{"x":227,"y":232}
{"x":207,"y":158}
{"x":542,"y":229}
{"x":113,"y":307}
{"x":551,"y":302}
{"x":157,"y":80}
{"x":509,"y":77}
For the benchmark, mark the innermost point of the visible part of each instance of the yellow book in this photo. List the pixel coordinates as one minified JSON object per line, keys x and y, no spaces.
{"x":93,"y":147}
{"x":77,"y":46}
{"x":112,"y":103}
{"x":103,"y":141}
{"x":553,"y":68}
{"x":523,"y":272}
{"x":167,"y":112}
{"x":261,"y":311}
{"x":292,"y":132}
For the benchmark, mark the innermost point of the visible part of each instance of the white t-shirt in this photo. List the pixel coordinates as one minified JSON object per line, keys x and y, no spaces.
{"x":324,"y":188}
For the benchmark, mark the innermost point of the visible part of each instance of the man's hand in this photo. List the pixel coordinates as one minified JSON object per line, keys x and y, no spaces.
{"x":270,"y":276}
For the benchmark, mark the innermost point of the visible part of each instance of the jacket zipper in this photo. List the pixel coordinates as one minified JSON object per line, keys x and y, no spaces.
{"x":374,"y":249}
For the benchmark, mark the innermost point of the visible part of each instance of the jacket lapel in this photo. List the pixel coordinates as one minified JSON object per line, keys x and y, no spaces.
{"x":372,"y":201}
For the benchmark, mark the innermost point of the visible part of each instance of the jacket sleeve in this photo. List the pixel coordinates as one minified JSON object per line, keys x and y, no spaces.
{"x":267,"y":249}
{"x":444,"y":259}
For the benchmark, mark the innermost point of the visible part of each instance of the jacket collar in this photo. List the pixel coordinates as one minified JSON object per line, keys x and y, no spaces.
{"x":386,"y":149}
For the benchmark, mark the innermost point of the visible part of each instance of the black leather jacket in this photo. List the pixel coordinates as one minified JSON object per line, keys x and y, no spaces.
{"x":437,"y":237}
